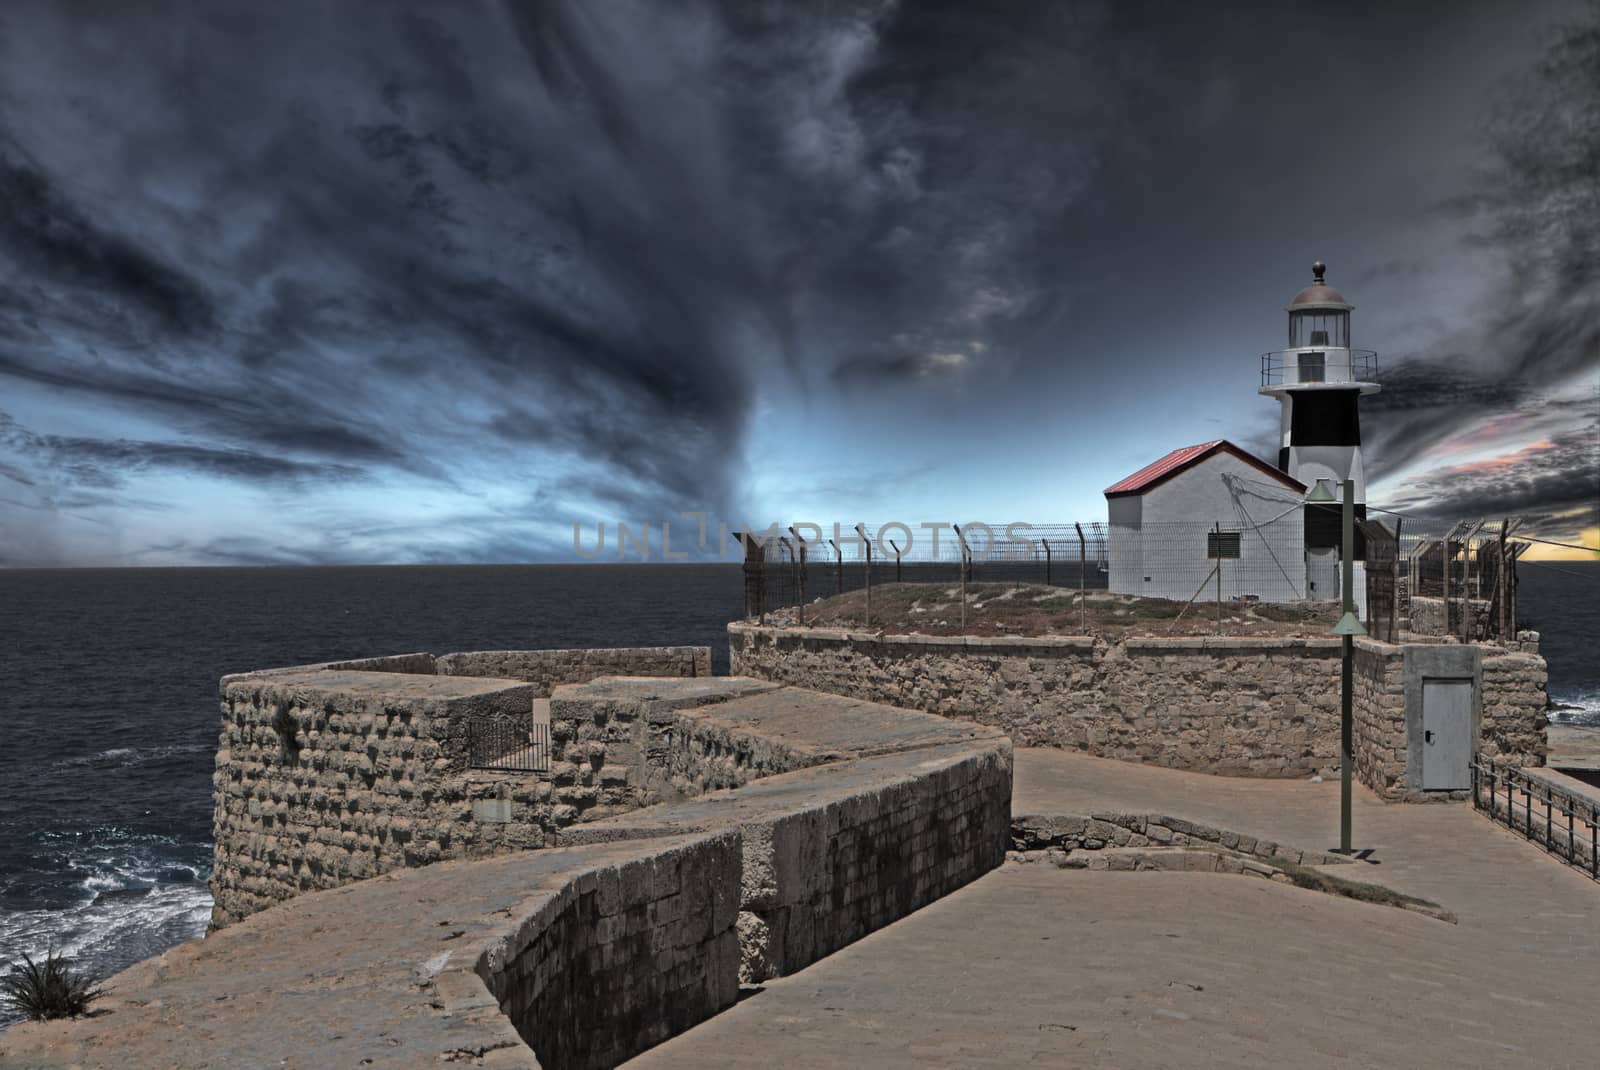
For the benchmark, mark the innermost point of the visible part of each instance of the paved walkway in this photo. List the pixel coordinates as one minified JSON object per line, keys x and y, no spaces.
{"x":1037,"y":966}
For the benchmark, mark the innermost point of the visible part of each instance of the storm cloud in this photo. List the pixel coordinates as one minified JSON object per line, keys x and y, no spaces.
{"x":432,"y":282}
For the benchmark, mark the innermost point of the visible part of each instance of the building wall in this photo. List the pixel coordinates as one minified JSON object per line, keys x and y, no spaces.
{"x":1338,"y":463}
{"x":1124,"y":549}
{"x":1164,"y":537}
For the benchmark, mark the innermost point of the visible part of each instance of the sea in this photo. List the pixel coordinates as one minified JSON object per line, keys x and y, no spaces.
{"x":109,"y":712}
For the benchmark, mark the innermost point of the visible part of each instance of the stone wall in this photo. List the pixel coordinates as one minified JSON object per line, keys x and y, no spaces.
{"x":548,"y":669}
{"x":327,"y":774}
{"x":1378,"y":709}
{"x":631,"y":929}
{"x":624,"y":956}
{"x":329,"y":777}
{"x":1066,"y":833}
{"x":1428,"y":616}
{"x":821,"y":878}
{"x":1242,"y":706}
{"x":1514,"y":702}
{"x":621,"y":745}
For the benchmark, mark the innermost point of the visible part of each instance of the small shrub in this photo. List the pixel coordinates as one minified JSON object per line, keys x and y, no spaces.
{"x":48,"y":989}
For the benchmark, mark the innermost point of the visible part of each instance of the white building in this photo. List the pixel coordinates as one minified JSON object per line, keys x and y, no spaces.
{"x":1175,"y":519}
{"x":1215,"y":508}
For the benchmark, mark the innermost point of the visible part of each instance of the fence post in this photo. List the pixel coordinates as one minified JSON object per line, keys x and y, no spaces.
{"x":1083,"y":597}
{"x":755,"y":580}
{"x":1445,"y":556}
{"x":793,"y":560}
{"x":1502,"y":594}
{"x":896,"y":547}
{"x":860,"y":530}
{"x":800,"y":575}
{"x":963,"y":542}
{"x":1469,"y":630}
{"x":1394,"y":583}
{"x":1046,"y":561}
{"x":1217,"y":525}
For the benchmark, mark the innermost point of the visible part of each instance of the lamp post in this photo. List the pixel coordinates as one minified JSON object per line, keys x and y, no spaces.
{"x":1347,"y":629}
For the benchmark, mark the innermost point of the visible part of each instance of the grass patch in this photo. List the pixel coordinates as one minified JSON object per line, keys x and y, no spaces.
{"x":999,"y":609}
{"x":1318,"y":881}
{"x":48,"y":989}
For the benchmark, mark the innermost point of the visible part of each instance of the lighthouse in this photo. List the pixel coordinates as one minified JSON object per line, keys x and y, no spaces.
{"x":1319,"y":381}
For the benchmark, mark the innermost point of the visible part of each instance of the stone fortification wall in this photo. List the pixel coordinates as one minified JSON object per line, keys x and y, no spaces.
{"x":328,"y":777}
{"x":823,"y":867}
{"x":1245,"y":706}
{"x":1378,"y":708}
{"x":621,"y":957}
{"x":327,"y":774}
{"x":1510,"y":718}
{"x":1514,"y":704}
{"x":548,"y":669}
{"x":631,"y":929}
{"x":1428,"y":616}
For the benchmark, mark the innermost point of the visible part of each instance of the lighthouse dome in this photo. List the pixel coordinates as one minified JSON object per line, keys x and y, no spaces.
{"x":1319,"y":293}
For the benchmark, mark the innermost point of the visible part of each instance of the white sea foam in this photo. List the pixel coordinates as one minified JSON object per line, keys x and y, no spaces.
{"x":112,"y":930}
{"x":137,"y":894}
{"x":123,"y":757}
{"x":1584,"y":707}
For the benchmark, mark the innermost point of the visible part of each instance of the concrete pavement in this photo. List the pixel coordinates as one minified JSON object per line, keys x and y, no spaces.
{"x":1037,"y":966}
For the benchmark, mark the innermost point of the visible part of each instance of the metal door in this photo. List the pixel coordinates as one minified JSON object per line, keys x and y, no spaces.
{"x":1446,"y":734}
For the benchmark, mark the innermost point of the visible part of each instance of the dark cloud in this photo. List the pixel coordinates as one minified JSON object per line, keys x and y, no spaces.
{"x":50,"y":239}
{"x":105,"y":463}
{"x":898,"y":369}
{"x":1424,"y":400}
{"x":573,"y":256}
{"x":1549,"y":483}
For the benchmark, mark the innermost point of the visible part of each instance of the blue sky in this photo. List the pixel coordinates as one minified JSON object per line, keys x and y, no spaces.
{"x":434,"y":282}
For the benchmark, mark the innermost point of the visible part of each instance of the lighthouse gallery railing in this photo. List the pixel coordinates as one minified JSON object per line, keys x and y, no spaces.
{"x":1292,"y":367}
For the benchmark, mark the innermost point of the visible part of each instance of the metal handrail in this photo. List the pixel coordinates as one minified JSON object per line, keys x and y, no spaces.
{"x":1524,"y":791}
{"x":1340,"y":366}
{"x":508,"y":745}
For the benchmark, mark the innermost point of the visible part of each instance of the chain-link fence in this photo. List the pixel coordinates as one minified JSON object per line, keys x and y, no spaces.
{"x":802,"y":566}
{"x":1462,"y":581}
{"x":1236,"y":576}
{"x":1069,"y":578}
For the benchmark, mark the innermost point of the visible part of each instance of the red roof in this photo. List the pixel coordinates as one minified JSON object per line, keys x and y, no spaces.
{"x":1179,"y":460}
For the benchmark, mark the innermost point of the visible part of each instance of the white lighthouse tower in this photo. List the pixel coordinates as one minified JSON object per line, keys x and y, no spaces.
{"x":1319,"y":380}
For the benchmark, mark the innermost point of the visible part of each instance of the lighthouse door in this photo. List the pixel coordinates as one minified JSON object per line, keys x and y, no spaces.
{"x":1446,"y":734}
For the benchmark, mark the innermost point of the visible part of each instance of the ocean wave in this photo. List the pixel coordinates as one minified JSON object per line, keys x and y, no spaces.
{"x":123,"y":757}
{"x":1575,"y":707}
{"x":56,"y":870}
{"x":111,"y":931}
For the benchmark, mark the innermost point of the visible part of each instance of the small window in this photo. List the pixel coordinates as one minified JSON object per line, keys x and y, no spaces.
{"x":1222,"y":544}
{"x":1313,"y":367}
